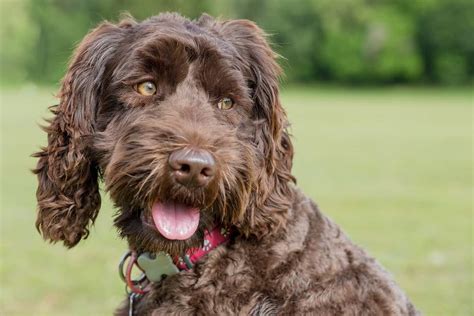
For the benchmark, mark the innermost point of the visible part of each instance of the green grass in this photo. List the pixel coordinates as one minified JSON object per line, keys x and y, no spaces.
{"x":391,"y":166}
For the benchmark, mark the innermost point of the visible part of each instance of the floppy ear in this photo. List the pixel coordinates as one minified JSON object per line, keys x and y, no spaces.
{"x":272,"y":197}
{"x":68,"y":194}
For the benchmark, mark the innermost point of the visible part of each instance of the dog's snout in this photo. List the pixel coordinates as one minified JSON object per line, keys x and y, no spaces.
{"x":192,"y":167}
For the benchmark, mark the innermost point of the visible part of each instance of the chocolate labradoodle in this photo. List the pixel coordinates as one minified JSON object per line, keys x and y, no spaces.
{"x":183,"y":123}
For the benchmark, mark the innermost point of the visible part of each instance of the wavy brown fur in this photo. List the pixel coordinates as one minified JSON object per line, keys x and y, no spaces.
{"x":286,"y":257}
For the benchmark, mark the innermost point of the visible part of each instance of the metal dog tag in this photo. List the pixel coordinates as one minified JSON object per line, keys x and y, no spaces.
{"x":156,"y":265}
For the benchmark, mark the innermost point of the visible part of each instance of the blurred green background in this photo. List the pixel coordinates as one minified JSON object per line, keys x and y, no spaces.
{"x":342,"y":41}
{"x":379,"y":94}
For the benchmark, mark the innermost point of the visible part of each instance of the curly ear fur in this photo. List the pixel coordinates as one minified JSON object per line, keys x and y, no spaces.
{"x":272,"y":194}
{"x":68,"y":193}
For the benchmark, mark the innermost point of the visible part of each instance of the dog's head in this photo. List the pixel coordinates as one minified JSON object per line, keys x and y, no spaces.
{"x":182,"y":121}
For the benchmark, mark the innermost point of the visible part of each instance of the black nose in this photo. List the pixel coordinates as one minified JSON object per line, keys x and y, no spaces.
{"x":192,"y":167}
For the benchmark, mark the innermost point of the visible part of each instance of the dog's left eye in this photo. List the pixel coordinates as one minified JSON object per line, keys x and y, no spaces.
{"x":146,"y":88}
{"x":225,"y":104}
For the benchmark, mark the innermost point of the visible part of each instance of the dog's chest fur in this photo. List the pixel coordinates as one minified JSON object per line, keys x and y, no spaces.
{"x":311,"y":267}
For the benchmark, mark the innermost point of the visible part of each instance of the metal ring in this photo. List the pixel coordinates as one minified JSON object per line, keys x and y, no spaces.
{"x":122,"y":263}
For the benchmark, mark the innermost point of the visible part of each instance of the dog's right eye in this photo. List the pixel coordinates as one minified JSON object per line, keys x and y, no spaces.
{"x":225,"y":104}
{"x":146,"y":88}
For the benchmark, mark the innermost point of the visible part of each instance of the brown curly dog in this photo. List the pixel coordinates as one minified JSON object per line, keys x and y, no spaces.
{"x":182,"y":122}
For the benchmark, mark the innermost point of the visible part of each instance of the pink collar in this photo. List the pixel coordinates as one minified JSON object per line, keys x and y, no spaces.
{"x":212,"y":239}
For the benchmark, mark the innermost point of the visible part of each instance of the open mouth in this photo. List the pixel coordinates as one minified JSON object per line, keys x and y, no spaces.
{"x":175,"y":221}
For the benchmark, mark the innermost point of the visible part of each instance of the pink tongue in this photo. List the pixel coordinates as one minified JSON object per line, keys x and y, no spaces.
{"x":175,"y":221}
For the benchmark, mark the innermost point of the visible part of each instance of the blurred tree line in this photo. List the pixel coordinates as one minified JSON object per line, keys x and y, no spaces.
{"x":342,"y":41}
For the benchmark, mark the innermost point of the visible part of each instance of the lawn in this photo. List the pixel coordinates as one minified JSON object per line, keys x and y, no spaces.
{"x":392,"y":166}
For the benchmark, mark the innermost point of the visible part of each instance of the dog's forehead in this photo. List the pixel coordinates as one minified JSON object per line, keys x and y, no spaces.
{"x":169,"y":46}
{"x":191,"y":34}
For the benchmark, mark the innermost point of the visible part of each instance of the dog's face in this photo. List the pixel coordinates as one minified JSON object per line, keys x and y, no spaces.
{"x":182,"y":121}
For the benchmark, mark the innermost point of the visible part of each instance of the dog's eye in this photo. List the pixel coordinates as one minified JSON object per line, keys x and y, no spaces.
{"x":225,"y":104}
{"x":146,"y":88}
